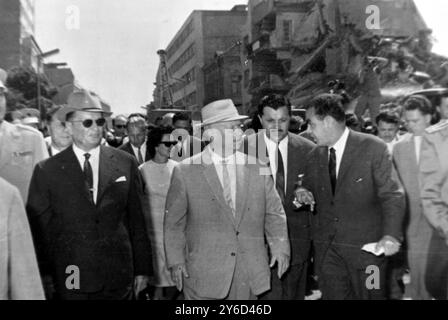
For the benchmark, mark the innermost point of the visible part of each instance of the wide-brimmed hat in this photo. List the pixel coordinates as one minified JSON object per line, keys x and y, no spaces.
{"x":81,"y":100}
{"x":220,"y":111}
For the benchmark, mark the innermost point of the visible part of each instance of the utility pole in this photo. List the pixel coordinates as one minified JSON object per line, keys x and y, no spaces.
{"x":164,"y":78}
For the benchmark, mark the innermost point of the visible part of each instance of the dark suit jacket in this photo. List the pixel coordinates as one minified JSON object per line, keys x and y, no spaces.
{"x":106,"y":241}
{"x":368,"y":204}
{"x":299,"y":222}
{"x":128,"y":148}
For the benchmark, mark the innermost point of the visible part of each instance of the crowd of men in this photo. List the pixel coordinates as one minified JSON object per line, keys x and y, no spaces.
{"x":249,"y":215}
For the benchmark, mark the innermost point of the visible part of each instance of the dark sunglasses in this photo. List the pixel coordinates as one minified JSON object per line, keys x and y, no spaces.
{"x":169,"y":143}
{"x":89,"y":122}
{"x":120,"y":126}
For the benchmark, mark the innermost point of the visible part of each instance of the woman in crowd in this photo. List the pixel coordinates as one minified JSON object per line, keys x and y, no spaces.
{"x":157,"y":176}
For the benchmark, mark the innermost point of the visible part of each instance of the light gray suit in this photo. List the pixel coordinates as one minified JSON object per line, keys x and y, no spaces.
{"x":418,"y":230}
{"x":202,"y":232}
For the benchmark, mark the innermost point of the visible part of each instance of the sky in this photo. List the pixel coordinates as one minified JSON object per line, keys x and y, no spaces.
{"x":112,"y":47}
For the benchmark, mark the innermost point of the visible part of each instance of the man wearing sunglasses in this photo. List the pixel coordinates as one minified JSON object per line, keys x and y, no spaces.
{"x":86,"y":213}
{"x":117,"y":138}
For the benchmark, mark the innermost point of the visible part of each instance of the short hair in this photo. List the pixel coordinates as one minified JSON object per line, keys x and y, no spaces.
{"x":50,"y":113}
{"x":122,"y":116}
{"x":136,"y":120}
{"x":388,"y":117}
{"x":328,"y":104}
{"x":274,"y":101}
{"x":418,"y":102}
{"x":181,"y":116}
{"x":155,"y":138}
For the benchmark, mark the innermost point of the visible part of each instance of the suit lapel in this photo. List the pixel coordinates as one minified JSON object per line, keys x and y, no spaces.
{"x":242,"y":188}
{"x":212,"y":179}
{"x":347,"y":159}
{"x":7,"y":142}
{"x":107,"y":169}
{"x":72,"y":169}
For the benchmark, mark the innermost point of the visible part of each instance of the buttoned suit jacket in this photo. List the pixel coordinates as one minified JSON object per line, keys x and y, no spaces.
{"x":202,"y":232}
{"x":367,"y":205}
{"x":106,"y":241}
{"x":299,"y":221}
{"x":21,"y":148}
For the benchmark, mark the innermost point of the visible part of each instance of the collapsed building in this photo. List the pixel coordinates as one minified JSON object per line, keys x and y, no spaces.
{"x":380,"y":50}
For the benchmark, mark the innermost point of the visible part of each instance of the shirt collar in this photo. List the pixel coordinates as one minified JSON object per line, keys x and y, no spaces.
{"x":94,"y":153}
{"x":269,"y":142}
{"x":340,"y":144}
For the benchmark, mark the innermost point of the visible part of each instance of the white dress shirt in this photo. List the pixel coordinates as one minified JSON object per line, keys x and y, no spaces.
{"x":142,"y":150}
{"x":94,"y":163}
{"x":272,"y":153}
{"x":54,"y":151}
{"x":339,"y":147}
{"x":418,"y":146}
{"x":230,"y":162}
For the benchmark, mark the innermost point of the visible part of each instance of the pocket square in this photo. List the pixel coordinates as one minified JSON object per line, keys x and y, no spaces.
{"x":121,"y":179}
{"x":359,"y":180}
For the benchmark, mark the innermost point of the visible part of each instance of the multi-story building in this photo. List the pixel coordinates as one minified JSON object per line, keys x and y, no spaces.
{"x":17,"y":26}
{"x":295,"y":47}
{"x":195,"y":45}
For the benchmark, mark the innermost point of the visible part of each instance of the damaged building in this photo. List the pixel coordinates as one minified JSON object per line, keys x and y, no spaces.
{"x":380,"y":50}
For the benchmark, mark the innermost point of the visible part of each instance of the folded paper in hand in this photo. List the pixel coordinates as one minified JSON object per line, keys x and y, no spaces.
{"x":370,"y":248}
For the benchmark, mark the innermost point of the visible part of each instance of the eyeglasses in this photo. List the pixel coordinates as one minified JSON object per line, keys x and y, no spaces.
{"x":120,"y":126}
{"x":169,"y":143}
{"x":89,"y":122}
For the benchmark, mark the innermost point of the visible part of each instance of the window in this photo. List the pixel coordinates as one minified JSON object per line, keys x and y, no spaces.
{"x":287,"y":31}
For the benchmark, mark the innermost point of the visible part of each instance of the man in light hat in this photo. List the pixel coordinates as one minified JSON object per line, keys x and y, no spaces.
{"x":85,"y":209}
{"x":21,"y":148}
{"x":220,"y":207}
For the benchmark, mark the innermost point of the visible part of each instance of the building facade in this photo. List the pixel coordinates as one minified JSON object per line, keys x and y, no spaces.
{"x":194,"y":47}
{"x":17,"y":26}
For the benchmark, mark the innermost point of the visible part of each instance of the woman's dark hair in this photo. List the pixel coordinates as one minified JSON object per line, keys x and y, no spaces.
{"x":155,"y":137}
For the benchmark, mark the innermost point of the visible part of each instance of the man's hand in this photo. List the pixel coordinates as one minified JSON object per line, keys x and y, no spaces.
{"x":390,"y":244}
{"x":140,"y":283}
{"x":178,"y":272}
{"x":282,"y":263}
{"x":304,"y":197}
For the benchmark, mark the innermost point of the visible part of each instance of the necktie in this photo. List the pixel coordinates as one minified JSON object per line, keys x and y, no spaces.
{"x":140,"y":157}
{"x":280,"y":176}
{"x":227,"y":187}
{"x":88,"y":174}
{"x":332,"y":169}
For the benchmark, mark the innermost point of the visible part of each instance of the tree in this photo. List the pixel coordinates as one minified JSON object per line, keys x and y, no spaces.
{"x":22,"y":82}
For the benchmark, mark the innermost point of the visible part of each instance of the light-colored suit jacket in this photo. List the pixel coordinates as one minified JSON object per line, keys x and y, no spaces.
{"x":19,"y":274}
{"x":405,"y":161}
{"x":21,"y":148}
{"x":202,"y":232}
{"x":434,"y":177}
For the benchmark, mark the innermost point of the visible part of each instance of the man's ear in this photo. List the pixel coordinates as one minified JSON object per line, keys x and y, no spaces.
{"x":69,"y":127}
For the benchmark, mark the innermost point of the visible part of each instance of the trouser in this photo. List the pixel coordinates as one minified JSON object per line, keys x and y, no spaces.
{"x":341,"y":276}
{"x":437,"y":267}
{"x":239,"y":288}
{"x":368,"y":102}
{"x":292,"y":286}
